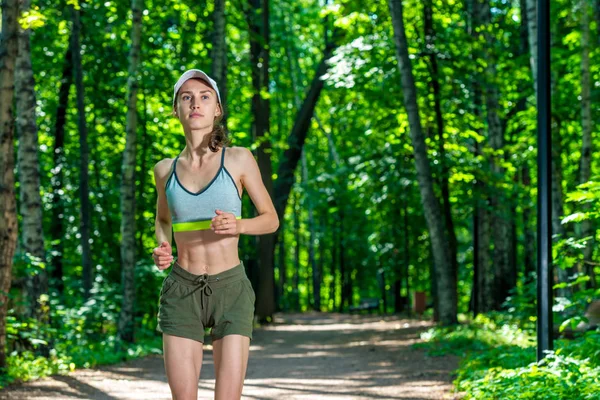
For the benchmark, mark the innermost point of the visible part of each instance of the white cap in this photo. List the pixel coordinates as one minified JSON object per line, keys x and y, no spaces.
{"x":194,"y":73}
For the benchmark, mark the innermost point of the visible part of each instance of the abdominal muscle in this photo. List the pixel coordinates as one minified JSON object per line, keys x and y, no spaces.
{"x":206,"y":252}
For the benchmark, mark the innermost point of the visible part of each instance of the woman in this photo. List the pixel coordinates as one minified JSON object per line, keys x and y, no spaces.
{"x":199,"y":196}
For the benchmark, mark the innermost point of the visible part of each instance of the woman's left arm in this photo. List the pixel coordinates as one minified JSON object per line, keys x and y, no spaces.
{"x":267,"y":221}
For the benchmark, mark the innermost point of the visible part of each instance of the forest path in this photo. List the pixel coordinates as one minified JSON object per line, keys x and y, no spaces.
{"x":299,"y":356}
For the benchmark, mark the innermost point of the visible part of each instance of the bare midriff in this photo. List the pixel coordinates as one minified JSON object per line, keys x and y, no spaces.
{"x":206,"y":252}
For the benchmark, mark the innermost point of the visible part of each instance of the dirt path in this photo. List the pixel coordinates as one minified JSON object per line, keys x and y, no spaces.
{"x":301,"y":356}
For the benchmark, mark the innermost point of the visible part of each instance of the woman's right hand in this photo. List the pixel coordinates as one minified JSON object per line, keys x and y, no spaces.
{"x":162,"y":256}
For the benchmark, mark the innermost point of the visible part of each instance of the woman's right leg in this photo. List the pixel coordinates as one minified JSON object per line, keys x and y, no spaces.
{"x":183,"y":361}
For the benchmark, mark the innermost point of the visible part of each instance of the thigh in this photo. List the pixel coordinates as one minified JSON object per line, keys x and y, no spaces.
{"x":183,"y":361}
{"x":230,"y":356}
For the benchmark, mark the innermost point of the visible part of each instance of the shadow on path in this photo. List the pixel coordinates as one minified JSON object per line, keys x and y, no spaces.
{"x":299,"y":356}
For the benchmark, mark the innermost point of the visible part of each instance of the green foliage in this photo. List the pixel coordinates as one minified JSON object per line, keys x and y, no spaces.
{"x":500,"y":361}
{"x":77,"y":333}
{"x":81,"y":337}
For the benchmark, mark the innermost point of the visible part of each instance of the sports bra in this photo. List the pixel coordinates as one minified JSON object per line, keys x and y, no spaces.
{"x":194,"y":211}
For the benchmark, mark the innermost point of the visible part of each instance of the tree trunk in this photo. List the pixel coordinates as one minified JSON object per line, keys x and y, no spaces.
{"x":530,"y":253}
{"x":586,"y":148}
{"x":346,"y":298}
{"x":296,"y":278}
{"x":504,"y":281}
{"x":258,"y":22}
{"x":128,"y":256}
{"x":320,"y":264}
{"x":146,"y":143}
{"x":430,"y":37}
{"x":406,"y":246}
{"x":482,"y":292}
{"x":531,"y":14}
{"x":295,"y":142}
{"x":336,"y":281}
{"x":29,"y":169}
{"x":219,"y":52}
{"x":8,"y":208}
{"x":483,"y":295}
{"x":558,"y":230}
{"x":474,"y":300}
{"x":316,"y":275}
{"x":446,"y":284}
{"x":528,"y":229}
{"x":84,"y":193}
{"x":282,"y":293}
{"x":58,"y":210}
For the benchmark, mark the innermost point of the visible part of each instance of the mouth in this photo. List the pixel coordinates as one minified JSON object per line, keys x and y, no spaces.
{"x":196,"y":115}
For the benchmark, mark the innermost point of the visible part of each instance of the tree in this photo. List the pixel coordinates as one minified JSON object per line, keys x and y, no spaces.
{"x":8,"y":212}
{"x":219,"y":51}
{"x":84,"y":191}
{"x":446,"y":283}
{"x":258,"y":23}
{"x":29,"y":167}
{"x":128,"y":256}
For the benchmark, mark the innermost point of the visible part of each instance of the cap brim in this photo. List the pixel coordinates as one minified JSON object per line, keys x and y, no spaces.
{"x":191,"y":74}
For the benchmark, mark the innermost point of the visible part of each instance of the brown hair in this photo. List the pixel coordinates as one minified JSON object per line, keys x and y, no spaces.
{"x":218,"y":136}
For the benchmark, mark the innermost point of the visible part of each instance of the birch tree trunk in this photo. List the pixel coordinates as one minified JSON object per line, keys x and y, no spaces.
{"x":29,"y":168}
{"x":446,"y":284}
{"x":8,"y":208}
{"x":84,"y":193}
{"x":128,"y":256}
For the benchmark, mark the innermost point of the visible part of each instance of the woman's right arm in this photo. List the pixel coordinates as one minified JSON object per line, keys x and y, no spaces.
{"x":162,"y":224}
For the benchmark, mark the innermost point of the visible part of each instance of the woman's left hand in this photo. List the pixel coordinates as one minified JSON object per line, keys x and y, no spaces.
{"x":225,"y":223}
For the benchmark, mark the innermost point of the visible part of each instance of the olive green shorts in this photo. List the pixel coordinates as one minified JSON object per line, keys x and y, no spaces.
{"x":189,"y":303}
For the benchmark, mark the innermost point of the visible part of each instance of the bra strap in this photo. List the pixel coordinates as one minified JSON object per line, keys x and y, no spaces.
{"x":223,"y":157}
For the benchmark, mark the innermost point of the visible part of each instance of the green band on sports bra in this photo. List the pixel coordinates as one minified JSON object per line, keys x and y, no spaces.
{"x":193,"y":226}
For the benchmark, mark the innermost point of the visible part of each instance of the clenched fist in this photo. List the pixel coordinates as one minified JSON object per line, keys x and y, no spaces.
{"x":162,"y":256}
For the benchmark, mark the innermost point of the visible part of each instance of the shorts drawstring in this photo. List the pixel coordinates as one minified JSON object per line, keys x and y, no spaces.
{"x":201,"y":283}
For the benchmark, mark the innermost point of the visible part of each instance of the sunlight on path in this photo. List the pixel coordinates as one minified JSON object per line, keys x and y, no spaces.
{"x":300,"y":356}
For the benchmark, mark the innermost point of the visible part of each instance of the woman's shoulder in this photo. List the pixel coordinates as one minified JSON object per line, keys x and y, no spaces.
{"x":238,"y":153}
{"x":163,"y":168}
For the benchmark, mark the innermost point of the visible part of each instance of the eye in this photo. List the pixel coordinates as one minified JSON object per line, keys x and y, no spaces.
{"x":205,"y":96}
{"x":185,"y":97}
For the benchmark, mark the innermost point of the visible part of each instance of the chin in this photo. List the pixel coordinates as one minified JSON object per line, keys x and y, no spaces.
{"x":198,"y":126}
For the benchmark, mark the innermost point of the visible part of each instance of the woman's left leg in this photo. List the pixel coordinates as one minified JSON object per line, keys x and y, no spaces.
{"x":230,"y":355}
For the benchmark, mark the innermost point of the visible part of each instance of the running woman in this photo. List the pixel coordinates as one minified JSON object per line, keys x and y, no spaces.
{"x":200,"y":198}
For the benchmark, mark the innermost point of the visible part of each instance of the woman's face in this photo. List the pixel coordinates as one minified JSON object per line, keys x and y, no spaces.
{"x":197,"y":105}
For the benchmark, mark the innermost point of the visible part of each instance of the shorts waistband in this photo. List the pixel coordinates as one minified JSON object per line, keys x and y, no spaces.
{"x":224,"y":278}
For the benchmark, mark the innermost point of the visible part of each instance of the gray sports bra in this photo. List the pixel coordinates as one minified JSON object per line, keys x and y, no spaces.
{"x":194,"y":211}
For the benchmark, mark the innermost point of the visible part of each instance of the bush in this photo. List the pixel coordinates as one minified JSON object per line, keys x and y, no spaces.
{"x":500,"y":361}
